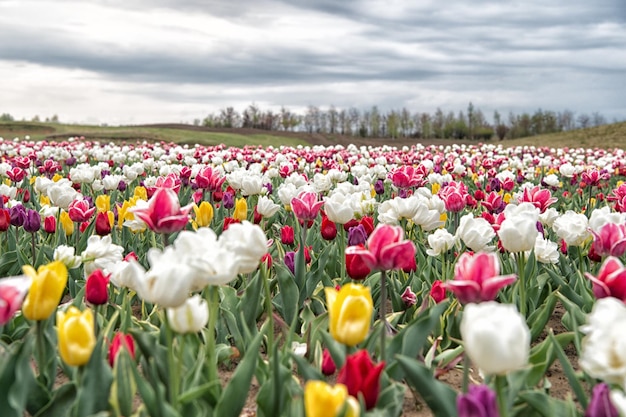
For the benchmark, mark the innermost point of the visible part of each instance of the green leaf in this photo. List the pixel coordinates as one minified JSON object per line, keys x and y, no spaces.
{"x":337,"y":350}
{"x":568,"y":370}
{"x":289,"y":294}
{"x":232,"y":399}
{"x":249,"y":303}
{"x":305,"y":369}
{"x":539,"y":318}
{"x":61,"y":401}
{"x":547,"y":406}
{"x":440,"y":397}
{"x":124,"y":388}
{"x":12,"y":372}
{"x":96,"y":380}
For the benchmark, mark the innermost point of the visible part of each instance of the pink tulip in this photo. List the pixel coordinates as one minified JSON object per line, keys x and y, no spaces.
{"x":12,"y":292}
{"x":306,"y":206}
{"x":407,"y":176}
{"x":210,"y":179}
{"x":610,"y":240}
{"x":386,"y":249}
{"x":80,"y":211}
{"x":611,"y":280}
{"x":539,"y":197}
{"x":164,"y":213}
{"x":477,"y":278}
{"x":454,"y":196}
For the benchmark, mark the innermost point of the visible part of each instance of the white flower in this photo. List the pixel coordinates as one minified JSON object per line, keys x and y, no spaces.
{"x":601,"y":216}
{"x":440,"y":241}
{"x":546,"y":251}
{"x":190,"y":317}
{"x":548,"y":217}
{"x":266,"y":207}
{"x":168,"y":282}
{"x":551,"y":180}
{"x":518,"y":231}
{"x":475,"y":233}
{"x":100,"y":253}
{"x":338,"y":208}
{"x":247,"y":243}
{"x":619,"y":401}
{"x":604,"y":345}
{"x":572,"y":227}
{"x":62,"y":194}
{"x":251,"y":185}
{"x":495,"y":337}
{"x":8,"y":191}
{"x":128,"y":274}
{"x":299,"y":349}
{"x":66,"y":255}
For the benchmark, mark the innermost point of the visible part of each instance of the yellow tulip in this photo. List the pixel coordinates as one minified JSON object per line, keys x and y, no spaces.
{"x":57,"y":177}
{"x":324,"y":400}
{"x":349,"y":313}
{"x":204,"y":214}
{"x":44,"y":201}
{"x":76,"y":336}
{"x":103,"y":203}
{"x":46,"y":290}
{"x":241,"y":209}
{"x":141,"y":193}
{"x":435,"y":188}
{"x":66,"y":223}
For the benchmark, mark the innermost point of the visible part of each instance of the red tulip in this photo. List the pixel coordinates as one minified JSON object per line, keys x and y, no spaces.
{"x":210,"y":179}
{"x":163,"y":213}
{"x":103,"y":225}
{"x":328,"y":229}
{"x":368,"y":224}
{"x":611,"y":280}
{"x":227,"y":222}
{"x":477,"y":278}
{"x":287,"y":235}
{"x":50,"y":224}
{"x":355,"y":267}
{"x":438,"y":291}
{"x":267,"y":258}
{"x":96,"y":288}
{"x":361,"y":376}
{"x":386,"y":249}
{"x":306,"y":206}
{"x":328,"y":365}
{"x":121,"y":340}
{"x":539,"y":197}
{"x":5,"y":220}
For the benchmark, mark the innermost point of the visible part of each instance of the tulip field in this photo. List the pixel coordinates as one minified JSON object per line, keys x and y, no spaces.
{"x":324,"y":281}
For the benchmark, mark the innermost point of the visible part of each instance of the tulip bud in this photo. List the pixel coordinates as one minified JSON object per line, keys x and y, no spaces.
{"x":5,"y":220}
{"x":76,"y":336}
{"x":479,"y":401}
{"x":66,"y":223}
{"x":328,"y":365}
{"x":241,"y":209}
{"x":356,"y":268}
{"x":121,"y":340}
{"x":103,"y":225}
{"x":46,"y":290}
{"x":267,"y":259}
{"x":349,"y":313}
{"x":290,"y":261}
{"x":287,"y":235}
{"x":50,"y":224}
{"x":328,"y":229}
{"x":438,"y":291}
{"x":191,"y":317}
{"x":357,"y":235}
{"x":409,"y":297}
{"x":361,"y":376}
{"x":12,"y":292}
{"x":600,"y":404}
{"x":96,"y":288}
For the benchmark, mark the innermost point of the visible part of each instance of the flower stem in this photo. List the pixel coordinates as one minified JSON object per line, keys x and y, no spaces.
{"x":213,"y":301}
{"x":33,"y":247}
{"x":171,"y":363}
{"x":268,"y":308}
{"x":521,"y":282}
{"x":501,"y":395}
{"x":382,"y":313}
{"x":466,"y":368}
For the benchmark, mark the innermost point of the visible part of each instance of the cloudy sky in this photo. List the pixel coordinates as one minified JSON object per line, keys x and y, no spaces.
{"x":136,"y":61}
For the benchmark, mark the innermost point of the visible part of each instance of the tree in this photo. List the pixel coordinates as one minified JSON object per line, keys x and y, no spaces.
{"x":6,"y":117}
{"x":354,"y":117}
{"x":229,"y":117}
{"x":333,"y":119}
{"x":584,"y":120}
{"x":374,"y":124}
{"x":406,"y":123}
{"x":470,"y":120}
{"x":437,"y":124}
{"x":597,"y":119}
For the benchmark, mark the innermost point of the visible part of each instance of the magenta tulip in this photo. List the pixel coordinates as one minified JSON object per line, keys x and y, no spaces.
{"x":12,"y":292}
{"x":386,"y":250}
{"x":610,"y":240}
{"x":306,"y":206}
{"x":164,"y":213}
{"x":611,"y":280}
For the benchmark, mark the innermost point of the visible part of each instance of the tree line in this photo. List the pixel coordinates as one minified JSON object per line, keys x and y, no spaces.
{"x":374,"y":123}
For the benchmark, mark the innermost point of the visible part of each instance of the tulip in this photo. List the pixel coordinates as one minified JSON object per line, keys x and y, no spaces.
{"x":476,"y":233}
{"x":572,"y":227}
{"x":306,"y":205}
{"x":479,"y":401}
{"x":103,"y":203}
{"x":386,"y":249}
{"x":600,"y":404}
{"x":163,"y":213}
{"x":368,"y":224}
{"x":76,"y":336}
{"x":121,"y":340}
{"x":241,"y":209}
{"x":323,"y":400}
{"x":361,"y":376}
{"x":209,"y":178}
{"x":610,"y":240}
{"x":5,"y":220}
{"x":96,"y":288}
{"x":495,"y":337}
{"x":328,"y":229}
{"x":477,"y":279}
{"x":247,"y":242}
{"x":349,"y":313}
{"x":266,"y":207}
{"x":287,"y":235}
{"x":46,"y":290}
{"x":441,"y":241}
{"x":80,"y":211}
{"x":611,"y":280}
{"x":290,"y":261}
{"x":190,"y":317}
{"x":103,"y":223}
{"x":357,"y":235}
{"x":18,"y":215}
{"x":12,"y":292}
{"x":49,"y":224}
{"x":438,"y":291}
{"x":356,"y":268}
{"x":32,"y":222}
{"x":518,"y":231}
{"x":409,"y":298}
{"x":204,"y":214}
{"x":328,"y":365}
{"x":66,"y":223}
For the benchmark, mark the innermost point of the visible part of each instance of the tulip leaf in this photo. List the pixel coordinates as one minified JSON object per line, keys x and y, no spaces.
{"x":440,"y":397}
{"x":289,"y":294}
{"x":13,"y":370}
{"x":569,"y":372}
{"x":61,"y":401}
{"x":231,"y":401}
{"x":539,"y":318}
{"x":546,"y":406}
{"x":411,"y":339}
{"x":542,"y":356}
{"x":124,"y":388}
{"x":96,"y":379}
{"x":249,"y":303}
{"x":9,"y":264}
{"x":305,"y":369}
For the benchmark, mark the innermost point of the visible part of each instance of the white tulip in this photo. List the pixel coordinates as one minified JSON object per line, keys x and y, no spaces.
{"x":572,"y":227}
{"x":441,"y":241}
{"x":266,"y":207}
{"x":190,"y":317}
{"x":518,"y":231}
{"x":247,"y":243}
{"x":338,"y":208}
{"x":495,"y":337}
{"x":546,"y":251}
{"x":475,"y":233}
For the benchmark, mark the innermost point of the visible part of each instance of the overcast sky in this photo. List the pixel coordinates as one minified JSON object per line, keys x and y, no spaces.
{"x":136,"y":61}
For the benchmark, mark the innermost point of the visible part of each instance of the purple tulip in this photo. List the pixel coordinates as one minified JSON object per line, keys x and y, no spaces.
{"x":600,"y":404}
{"x":32,"y":222}
{"x":357,"y":235}
{"x":379,"y":187}
{"x":290,"y":258}
{"x":480,"y":401}
{"x":18,"y":215}
{"x":228,"y":200}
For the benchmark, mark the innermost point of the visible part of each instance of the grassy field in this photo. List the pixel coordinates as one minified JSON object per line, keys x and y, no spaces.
{"x":607,"y":137}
